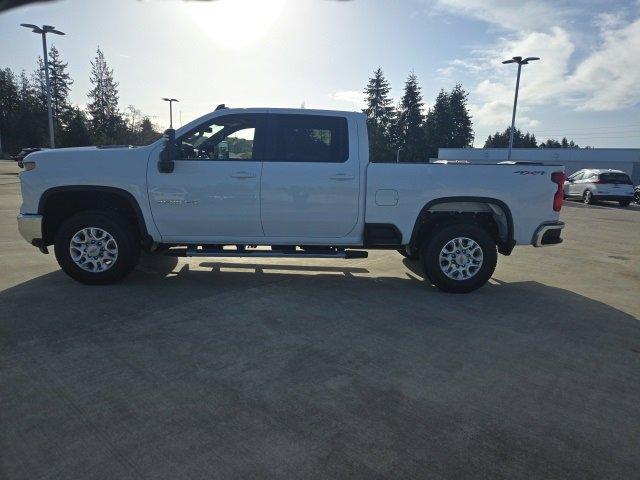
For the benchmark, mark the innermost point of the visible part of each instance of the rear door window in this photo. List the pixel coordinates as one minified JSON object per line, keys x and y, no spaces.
{"x":615,"y":178}
{"x":310,"y":139}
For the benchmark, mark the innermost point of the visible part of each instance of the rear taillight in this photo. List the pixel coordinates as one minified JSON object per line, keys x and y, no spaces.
{"x":29,"y":166}
{"x":558,"y":178}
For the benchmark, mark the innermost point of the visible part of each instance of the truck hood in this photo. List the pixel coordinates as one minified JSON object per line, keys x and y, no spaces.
{"x":75,"y":151}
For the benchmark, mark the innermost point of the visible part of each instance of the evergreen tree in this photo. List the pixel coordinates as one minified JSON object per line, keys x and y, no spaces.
{"x":60,"y":82}
{"x":438,"y":125}
{"x":147,"y":133}
{"x":564,"y":143}
{"x":380,"y":115}
{"x":39,"y":83}
{"x":461,"y":126}
{"x":501,"y":140}
{"x":9,"y":104}
{"x":106,"y":122}
{"x":530,"y":140}
{"x":411,"y":132}
{"x":448,"y":123}
{"x":76,"y":133}
{"x":31,"y":118}
{"x":550,"y":143}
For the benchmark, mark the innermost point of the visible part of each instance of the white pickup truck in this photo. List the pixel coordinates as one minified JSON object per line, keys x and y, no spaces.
{"x":298,"y":181}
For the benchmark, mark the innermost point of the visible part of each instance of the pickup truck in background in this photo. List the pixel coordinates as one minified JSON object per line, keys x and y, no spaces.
{"x":296,"y":181}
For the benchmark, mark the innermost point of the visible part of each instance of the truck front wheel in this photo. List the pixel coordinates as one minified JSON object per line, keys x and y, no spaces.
{"x":459,"y":258}
{"x":96,"y":248}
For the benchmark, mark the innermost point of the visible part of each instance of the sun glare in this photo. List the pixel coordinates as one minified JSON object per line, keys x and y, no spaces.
{"x":235,"y":24}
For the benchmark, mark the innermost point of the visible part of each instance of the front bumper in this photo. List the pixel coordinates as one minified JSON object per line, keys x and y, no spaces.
{"x":30,"y":227}
{"x":548,"y":234}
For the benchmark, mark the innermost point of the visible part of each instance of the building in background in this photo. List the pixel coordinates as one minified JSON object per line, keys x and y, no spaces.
{"x":574,"y":159}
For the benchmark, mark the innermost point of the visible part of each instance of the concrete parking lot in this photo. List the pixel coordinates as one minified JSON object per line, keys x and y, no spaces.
{"x":324,"y":369}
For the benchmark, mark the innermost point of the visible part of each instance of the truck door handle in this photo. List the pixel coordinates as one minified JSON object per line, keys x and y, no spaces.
{"x":243,"y":175}
{"x":341,"y":177}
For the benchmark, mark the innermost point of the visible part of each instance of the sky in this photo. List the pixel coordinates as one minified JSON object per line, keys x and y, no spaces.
{"x":320,"y":53}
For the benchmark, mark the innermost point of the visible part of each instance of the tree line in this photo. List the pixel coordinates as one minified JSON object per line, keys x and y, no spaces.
{"x":526,"y":140}
{"x":406,"y":133}
{"x":403,"y":132}
{"x":24,"y":118}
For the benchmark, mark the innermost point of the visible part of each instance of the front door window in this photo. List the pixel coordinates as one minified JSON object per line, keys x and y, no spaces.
{"x":227,"y":138}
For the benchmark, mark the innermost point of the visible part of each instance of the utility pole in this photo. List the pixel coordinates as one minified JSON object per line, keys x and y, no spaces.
{"x":520,"y":63}
{"x":43,"y":31}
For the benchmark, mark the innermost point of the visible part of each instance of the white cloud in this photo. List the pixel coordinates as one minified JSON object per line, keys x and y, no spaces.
{"x":605,"y":76}
{"x":527,"y":15}
{"x":609,"y":78}
{"x":353,"y":97}
{"x":496,"y":114}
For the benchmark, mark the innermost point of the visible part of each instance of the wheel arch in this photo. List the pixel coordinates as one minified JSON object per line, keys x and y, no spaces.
{"x":493,"y":207}
{"x":95,"y":197}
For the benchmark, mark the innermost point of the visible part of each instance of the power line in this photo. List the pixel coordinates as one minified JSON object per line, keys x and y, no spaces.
{"x":634,"y":126}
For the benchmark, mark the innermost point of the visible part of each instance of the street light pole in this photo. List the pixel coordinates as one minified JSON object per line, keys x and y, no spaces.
{"x":43,"y":31}
{"x":52,"y":139}
{"x":513,"y":117}
{"x":170,"y":100}
{"x":520,"y":63}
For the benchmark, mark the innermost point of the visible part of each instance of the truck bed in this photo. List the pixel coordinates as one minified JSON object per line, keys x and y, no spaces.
{"x":396,"y":193}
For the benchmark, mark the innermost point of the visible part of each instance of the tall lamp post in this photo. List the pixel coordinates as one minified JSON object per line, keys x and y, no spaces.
{"x":520,"y":61}
{"x":170,"y":100}
{"x":43,"y":31}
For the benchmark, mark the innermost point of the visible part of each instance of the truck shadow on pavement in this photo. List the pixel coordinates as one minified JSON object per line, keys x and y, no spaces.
{"x":262,"y":370}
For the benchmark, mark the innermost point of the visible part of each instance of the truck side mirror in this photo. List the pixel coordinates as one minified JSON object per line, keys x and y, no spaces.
{"x":166,"y":163}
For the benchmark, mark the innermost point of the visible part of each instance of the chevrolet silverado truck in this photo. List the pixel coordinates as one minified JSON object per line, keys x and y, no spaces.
{"x":281,"y":183}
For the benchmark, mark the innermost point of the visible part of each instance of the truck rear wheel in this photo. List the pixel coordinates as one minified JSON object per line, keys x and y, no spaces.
{"x":459,"y":258}
{"x":96,"y":248}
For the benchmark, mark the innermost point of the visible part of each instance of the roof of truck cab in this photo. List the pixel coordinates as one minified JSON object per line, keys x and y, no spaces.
{"x":282,"y":111}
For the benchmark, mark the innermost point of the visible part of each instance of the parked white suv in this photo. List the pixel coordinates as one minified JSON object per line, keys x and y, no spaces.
{"x":592,"y":185}
{"x":298,"y":181}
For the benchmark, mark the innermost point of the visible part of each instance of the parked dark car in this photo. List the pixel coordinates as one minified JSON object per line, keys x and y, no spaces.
{"x":19,"y":157}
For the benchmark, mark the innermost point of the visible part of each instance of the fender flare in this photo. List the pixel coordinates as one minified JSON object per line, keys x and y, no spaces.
{"x":147,"y":239}
{"x":505,"y":247}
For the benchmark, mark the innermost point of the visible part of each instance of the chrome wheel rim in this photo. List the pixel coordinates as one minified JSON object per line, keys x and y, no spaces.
{"x":587,"y":196}
{"x":461,"y":258}
{"x":93,"y":249}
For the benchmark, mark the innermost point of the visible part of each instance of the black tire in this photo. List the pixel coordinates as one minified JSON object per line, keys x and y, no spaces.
{"x":408,"y":252}
{"x":587,"y":198}
{"x":430,"y":257}
{"x":122,"y":232}
{"x":636,"y":197}
{"x":624,"y":203}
